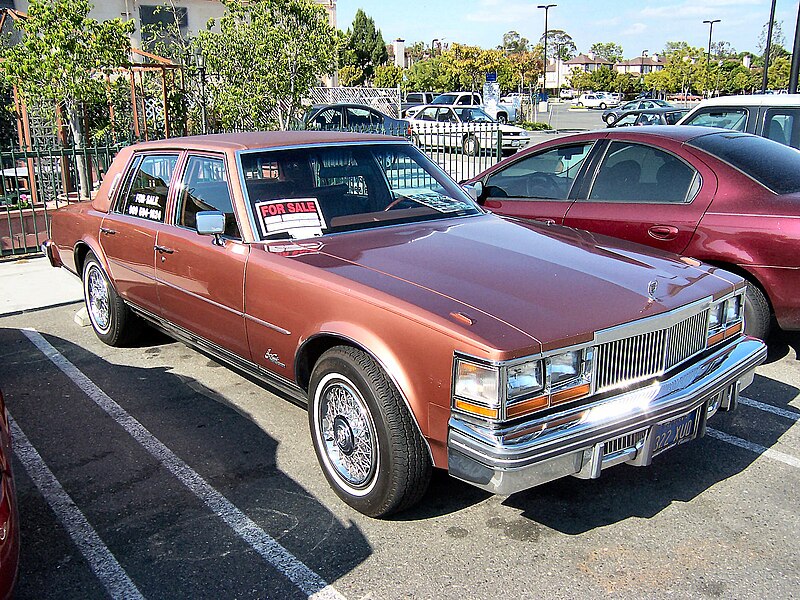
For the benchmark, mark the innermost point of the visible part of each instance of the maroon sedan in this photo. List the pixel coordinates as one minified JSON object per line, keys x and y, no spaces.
{"x":726,"y":198}
{"x":9,"y":518}
{"x":353,"y":274}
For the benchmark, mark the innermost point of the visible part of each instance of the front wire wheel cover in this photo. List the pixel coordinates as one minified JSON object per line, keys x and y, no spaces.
{"x":97,"y":298}
{"x":347,"y":434}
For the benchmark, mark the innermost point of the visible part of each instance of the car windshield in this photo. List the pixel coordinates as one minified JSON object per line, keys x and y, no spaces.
{"x":473,"y":115}
{"x":445,"y":99}
{"x":308,"y":192}
{"x":774,"y":165}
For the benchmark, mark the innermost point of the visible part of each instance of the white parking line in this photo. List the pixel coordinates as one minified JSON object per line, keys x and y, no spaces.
{"x":100,"y":559}
{"x":267,"y":547}
{"x":771,"y":409}
{"x":768,"y":452}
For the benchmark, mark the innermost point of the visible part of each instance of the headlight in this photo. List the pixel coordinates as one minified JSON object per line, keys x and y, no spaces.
{"x":477,"y":389}
{"x":725,"y":318}
{"x":525,"y":379}
{"x":565,"y":367}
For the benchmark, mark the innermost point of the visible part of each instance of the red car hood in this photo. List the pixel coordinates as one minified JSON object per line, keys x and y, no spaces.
{"x":552,"y":284}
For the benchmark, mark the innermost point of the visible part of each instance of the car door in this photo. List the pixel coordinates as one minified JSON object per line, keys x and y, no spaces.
{"x":128,"y":233}
{"x":539,"y":185}
{"x":645,"y":194}
{"x":200,"y":278}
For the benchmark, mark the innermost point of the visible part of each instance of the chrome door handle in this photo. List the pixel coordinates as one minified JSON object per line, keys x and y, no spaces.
{"x":545,"y":221}
{"x":107,"y":231}
{"x":164,"y":250}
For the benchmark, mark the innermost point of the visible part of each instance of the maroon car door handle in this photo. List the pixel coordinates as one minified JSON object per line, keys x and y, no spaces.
{"x":164,"y":250}
{"x":107,"y":231}
{"x":492,"y":204}
{"x":663,"y":232}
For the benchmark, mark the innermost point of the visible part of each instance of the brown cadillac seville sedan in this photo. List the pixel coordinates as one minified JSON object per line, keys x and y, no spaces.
{"x":351,"y":273}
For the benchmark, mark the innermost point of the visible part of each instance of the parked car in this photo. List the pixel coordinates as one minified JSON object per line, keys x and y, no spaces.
{"x":466,"y":127}
{"x":725,"y":198}
{"x":353,"y":117}
{"x":649,"y":116}
{"x":611,"y":115}
{"x":776,"y":117}
{"x":9,"y":514}
{"x":351,"y":273}
{"x":684,"y":97}
{"x":594,"y":100}
{"x":503,"y":113}
{"x":416,"y":99}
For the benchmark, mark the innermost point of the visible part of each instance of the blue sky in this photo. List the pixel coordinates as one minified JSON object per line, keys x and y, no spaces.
{"x":634,"y":24}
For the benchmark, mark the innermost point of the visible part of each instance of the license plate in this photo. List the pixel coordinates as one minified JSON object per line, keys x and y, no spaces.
{"x":674,"y":432}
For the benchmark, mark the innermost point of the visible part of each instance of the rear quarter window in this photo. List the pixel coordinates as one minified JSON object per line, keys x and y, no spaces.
{"x":773,"y":165}
{"x":723,"y":117}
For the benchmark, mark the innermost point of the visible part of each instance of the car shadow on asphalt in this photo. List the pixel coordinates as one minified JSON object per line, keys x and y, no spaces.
{"x":782,"y":343}
{"x":235,"y":456}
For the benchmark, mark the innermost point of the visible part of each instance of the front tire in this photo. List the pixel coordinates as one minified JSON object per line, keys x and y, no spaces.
{"x":757,"y":314}
{"x":111,"y":319}
{"x":502,"y":118}
{"x":603,"y":106}
{"x":611,"y":119}
{"x":366,"y":442}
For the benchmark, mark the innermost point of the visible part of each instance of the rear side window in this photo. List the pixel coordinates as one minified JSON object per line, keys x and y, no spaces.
{"x":724,"y":118}
{"x":638,"y":173}
{"x":783,"y":126}
{"x":148,"y":187}
{"x":775,"y":166}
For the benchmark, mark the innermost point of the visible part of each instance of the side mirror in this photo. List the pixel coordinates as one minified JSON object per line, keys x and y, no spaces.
{"x":475,"y":190}
{"x":211,"y":222}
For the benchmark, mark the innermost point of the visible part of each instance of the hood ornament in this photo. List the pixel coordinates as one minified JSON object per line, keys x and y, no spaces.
{"x":651,"y":289}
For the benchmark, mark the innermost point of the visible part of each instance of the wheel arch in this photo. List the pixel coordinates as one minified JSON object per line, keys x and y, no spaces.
{"x":315,"y":346}
{"x":744,"y":274}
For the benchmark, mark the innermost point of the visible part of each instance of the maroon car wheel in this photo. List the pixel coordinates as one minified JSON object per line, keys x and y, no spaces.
{"x":111,"y":318}
{"x":370,"y":450}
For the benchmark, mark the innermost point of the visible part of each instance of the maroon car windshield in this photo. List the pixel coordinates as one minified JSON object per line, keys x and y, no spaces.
{"x":773,"y":165}
{"x":307,"y":192}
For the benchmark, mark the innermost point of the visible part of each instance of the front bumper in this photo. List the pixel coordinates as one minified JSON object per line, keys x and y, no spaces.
{"x":584,"y":440}
{"x":50,"y":250}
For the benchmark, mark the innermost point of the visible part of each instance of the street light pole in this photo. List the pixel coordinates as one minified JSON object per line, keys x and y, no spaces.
{"x":708,"y":55}
{"x":546,"y":8}
{"x":795,"y":69}
{"x":768,"y":48}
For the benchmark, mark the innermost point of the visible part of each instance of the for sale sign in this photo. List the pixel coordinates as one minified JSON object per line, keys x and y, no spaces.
{"x":299,"y":217}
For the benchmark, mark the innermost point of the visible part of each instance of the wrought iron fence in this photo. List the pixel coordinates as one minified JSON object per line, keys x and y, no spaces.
{"x":34,"y":183}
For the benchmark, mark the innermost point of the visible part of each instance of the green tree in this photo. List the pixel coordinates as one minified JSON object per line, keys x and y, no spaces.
{"x":265,"y":57}
{"x":431,"y":75}
{"x":778,"y":75}
{"x":364,"y":46}
{"x":59,"y":57}
{"x":580,"y":80}
{"x":561,"y":40}
{"x":602,"y":79}
{"x":387,"y":76}
{"x":513,"y":43}
{"x":470,"y":64}
{"x":520,"y":71}
{"x":778,"y":41}
{"x":608,"y":50}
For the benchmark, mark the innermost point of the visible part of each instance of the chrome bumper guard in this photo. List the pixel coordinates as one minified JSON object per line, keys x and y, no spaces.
{"x":51,"y":252}
{"x":584,"y":440}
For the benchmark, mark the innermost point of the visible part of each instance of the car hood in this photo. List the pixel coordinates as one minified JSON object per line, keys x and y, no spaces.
{"x":552,"y":285}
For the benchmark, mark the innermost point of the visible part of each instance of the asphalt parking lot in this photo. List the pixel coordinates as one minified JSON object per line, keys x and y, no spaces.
{"x":155,"y":472}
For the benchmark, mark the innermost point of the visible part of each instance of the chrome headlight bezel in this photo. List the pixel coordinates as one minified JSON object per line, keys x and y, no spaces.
{"x":536,"y":387}
{"x":726,"y":317}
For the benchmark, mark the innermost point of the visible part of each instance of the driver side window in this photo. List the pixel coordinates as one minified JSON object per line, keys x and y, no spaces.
{"x":548,"y":175}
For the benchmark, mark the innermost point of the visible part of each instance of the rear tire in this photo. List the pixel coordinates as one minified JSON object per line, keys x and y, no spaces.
{"x":111,"y":319}
{"x":471,"y":146}
{"x":757,"y":314}
{"x":365,"y":439}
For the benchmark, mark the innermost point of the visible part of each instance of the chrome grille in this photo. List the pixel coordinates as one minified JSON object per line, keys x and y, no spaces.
{"x":623,"y":442}
{"x":636,"y":358}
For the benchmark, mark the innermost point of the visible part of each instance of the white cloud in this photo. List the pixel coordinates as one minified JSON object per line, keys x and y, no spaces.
{"x":691,"y":9}
{"x":635,"y":29}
